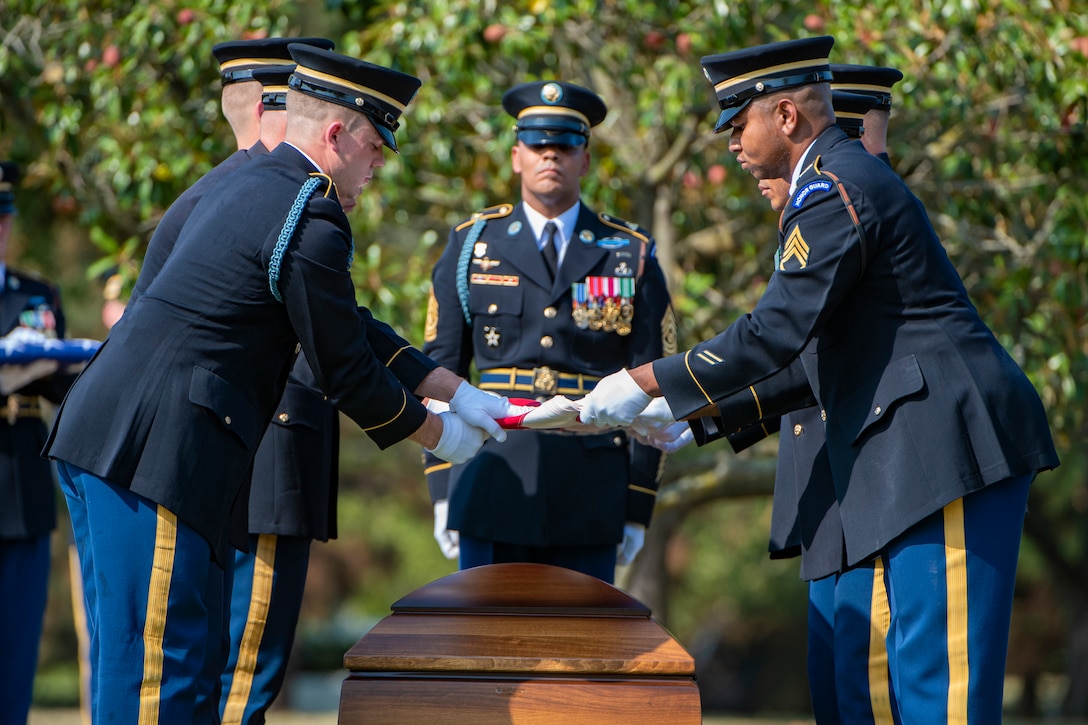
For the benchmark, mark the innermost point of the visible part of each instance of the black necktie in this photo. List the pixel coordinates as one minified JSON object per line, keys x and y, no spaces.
{"x":551,"y":254}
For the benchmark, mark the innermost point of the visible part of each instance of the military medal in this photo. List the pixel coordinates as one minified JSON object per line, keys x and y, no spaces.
{"x":609,"y":304}
{"x":579,"y":305}
{"x":627,"y":305}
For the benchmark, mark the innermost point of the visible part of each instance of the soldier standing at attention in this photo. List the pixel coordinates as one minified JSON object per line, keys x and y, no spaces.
{"x":546,"y":296}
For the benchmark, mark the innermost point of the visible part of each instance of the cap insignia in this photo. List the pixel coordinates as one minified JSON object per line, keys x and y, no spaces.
{"x":551,"y":93}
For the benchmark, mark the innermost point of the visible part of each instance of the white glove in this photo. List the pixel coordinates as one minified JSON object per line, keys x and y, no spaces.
{"x":615,"y":401}
{"x":13,"y":377}
{"x":459,"y":440}
{"x":669,"y":439}
{"x":481,"y":409}
{"x":449,"y":541}
{"x":656,"y":415}
{"x":558,"y":412}
{"x":634,"y":536}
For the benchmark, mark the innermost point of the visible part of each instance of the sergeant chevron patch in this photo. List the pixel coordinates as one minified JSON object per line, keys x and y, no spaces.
{"x":795,"y":248}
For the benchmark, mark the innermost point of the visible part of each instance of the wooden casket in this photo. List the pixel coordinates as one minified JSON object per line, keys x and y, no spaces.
{"x":519,"y":643}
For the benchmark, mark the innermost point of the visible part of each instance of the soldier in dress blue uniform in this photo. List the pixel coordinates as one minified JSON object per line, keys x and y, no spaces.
{"x":546,"y":296}
{"x":837,"y":594}
{"x":292,"y":498}
{"x":27,"y":491}
{"x":933,"y":433}
{"x":191,"y":374}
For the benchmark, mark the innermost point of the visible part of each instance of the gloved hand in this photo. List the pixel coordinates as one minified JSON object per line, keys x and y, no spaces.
{"x":655,"y":416}
{"x":615,"y":401}
{"x":558,"y":412}
{"x":669,"y":439}
{"x":448,"y":541}
{"x":459,"y":440}
{"x":481,"y":409}
{"x":634,"y":536}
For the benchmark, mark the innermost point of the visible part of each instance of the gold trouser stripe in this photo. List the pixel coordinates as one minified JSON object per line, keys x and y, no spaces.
{"x":83,"y":637}
{"x":260,"y":601}
{"x":642,"y":489}
{"x":880,"y":620}
{"x":955,"y":572}
{"x":158,"y":594}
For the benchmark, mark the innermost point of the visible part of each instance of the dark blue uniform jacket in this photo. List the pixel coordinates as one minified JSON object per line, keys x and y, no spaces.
{"x":178,"y":397}
{"x":922,"y":404}
{"x":544,"y":489}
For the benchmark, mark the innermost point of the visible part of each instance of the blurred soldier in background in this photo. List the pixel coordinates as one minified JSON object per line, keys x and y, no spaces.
{"x":30,"y":311}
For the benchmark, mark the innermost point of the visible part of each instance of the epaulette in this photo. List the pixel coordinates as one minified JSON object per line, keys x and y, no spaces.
{"x":33,"y":277}
{"x":29,"y":274}
{"x":630,"y":227}
{"x":491,"y":212}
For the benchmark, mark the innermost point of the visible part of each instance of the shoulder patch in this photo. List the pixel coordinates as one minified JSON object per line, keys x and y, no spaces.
{"x":492,"y":212}
{"x":807,"y":190}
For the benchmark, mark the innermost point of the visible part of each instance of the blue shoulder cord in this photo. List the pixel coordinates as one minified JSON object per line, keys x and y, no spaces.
{"x":462,"y":266}
{"x":288,"y":231}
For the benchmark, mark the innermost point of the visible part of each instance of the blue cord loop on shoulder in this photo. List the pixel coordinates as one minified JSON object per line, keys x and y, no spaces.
{"x":288,"y":231}
{"x":462,"y":266}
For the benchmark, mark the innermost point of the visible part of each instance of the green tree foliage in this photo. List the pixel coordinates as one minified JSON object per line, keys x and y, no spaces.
{"x":113,"y":107}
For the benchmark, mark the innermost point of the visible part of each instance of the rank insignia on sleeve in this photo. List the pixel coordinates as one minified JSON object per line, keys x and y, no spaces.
{"x":805,"y":191}
{"x":795,"y":248}
{"x":708,"y":357}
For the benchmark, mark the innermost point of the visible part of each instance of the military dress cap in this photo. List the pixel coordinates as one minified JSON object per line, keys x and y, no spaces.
{"x":379,"y":92}
{"x":238,"y":58}
{"x":850,"y":110}
{"x":742,"y":75}
{"x":273,"y":80}
{"x":870,"y":80}
{"x":9,"y":177}
{"x":553,"y":112}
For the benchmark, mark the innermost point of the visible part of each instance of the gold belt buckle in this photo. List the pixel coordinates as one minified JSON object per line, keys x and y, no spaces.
{"x":12,"y":409}
{"x":545,"y":381}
